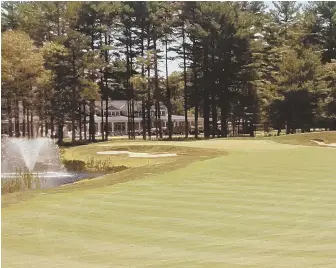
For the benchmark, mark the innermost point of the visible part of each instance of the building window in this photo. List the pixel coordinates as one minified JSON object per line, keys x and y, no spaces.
{"x":163,"y":113}
{"x":113,"y":113}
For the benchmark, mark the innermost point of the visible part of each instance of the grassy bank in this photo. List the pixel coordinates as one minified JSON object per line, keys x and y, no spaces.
{"x":306,"y":138}
{"x":135,"y":168}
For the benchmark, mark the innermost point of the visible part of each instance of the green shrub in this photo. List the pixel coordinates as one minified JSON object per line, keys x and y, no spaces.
{"x":74,"y":165}
{"x":103,"y":165}
{"x":117,"y":168}
{"x":92,"y":164}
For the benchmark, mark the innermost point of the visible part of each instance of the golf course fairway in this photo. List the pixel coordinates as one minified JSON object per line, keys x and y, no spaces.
{"x":259,"y":204}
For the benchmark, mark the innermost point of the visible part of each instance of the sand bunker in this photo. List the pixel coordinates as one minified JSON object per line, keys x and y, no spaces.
{"x":322,"y":143}
{"x":132,"y":154}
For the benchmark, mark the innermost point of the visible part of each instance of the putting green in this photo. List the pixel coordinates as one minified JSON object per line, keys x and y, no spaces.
{"x":263,"y":205}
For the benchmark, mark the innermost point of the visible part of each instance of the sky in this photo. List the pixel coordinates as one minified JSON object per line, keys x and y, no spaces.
{"x":173,"y":65}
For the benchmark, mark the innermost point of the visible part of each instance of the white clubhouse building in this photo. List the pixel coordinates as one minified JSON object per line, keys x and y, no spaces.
{"x":117,"y":120}
{"x":118,"y":117}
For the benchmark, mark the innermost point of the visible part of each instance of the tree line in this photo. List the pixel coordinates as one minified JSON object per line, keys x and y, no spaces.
{"x":242,"y":63}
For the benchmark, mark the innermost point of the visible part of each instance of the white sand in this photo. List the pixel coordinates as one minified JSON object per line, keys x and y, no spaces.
{"x":132,"y":154}
{"x":322,"y":143}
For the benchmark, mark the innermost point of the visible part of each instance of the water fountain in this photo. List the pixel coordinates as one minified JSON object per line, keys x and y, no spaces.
{"x":40,"y":156}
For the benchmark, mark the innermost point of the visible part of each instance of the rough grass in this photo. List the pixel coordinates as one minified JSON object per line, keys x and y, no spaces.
{"x":305,"y":138}
{"x":263,"y":204}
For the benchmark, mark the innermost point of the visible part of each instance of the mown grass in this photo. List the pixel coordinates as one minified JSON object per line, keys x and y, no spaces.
{"x":262,"y":204}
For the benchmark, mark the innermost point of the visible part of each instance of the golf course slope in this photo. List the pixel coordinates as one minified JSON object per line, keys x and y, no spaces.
{"x":261,"y":204}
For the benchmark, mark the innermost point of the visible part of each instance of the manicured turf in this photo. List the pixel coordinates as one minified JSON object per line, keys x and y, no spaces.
{"x":263,"y":204}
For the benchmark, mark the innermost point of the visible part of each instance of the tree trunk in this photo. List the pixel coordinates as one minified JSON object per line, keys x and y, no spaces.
{"x":92,"y":128}
{"x":132,"y":103}
{"x":52,"y":127}
{"x":80,"y":122}
{"x":185,"y":85}
{"x":73,"y":119}
{"x":132,"y":96}
{"x":60,"y":133}
{"x":206,"y":93}
{"x":213,"y":95}
{"x":143,"y":114}
{"x":195,"y":85}
{"x":28,"y":124}
{"x":85,"y":127}
{"x":223,"y":117}
{"x":106,"y":117}
{"x":32,"y":124}
{"x":73,"y":127}
{"x":74,"y":102}
{"x":106,"y":90}
{"x":143,"y":103}
{"x":128,"y":119}
{"x":10,"y":117}
{"x":24,"y":119}
{"x":169,"y":105}
{"x":157,"y":91}
{"x":149,"y":123}
{"x":196,"y":121}
{"x":17,"y":118}
{"x":102,"y":111}
{"x":46,"y":128}
{"x":233,"y":125}
{"x":288,"y":126}
{"x":128,"y":91}
{"x":41,"y":130}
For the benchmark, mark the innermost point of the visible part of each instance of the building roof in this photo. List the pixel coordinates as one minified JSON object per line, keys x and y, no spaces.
{"x":121,"y":105}
{"x":116,"y":119}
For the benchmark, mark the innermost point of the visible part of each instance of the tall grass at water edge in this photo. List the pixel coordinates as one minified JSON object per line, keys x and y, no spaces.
{"x":21,"y":180}
{"x":92,"y":164}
